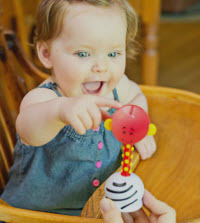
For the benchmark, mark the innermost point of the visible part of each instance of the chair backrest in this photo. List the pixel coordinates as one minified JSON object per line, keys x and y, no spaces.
{"x":12,"y":90}
{"x":13,"y":17}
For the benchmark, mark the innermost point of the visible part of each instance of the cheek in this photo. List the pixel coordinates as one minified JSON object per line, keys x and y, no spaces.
{"x":120,"y":63}
{"x":118,"y":68}
{"x":70,"y":68}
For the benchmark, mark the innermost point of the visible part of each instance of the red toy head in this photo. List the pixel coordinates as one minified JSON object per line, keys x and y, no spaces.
{"x":130,"y":124}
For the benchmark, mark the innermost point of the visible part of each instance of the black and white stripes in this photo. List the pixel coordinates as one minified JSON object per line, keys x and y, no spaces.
{"x":126,"y":192}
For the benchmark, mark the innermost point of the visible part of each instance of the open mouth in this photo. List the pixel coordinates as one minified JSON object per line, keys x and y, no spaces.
{"x":94,"y":87}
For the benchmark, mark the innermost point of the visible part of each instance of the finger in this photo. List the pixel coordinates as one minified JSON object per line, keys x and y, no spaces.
{"x":105,"y":115}
{"x":78,"y":126}
{"x":153,"y":218}
{"x":142,"y":150}
{"x":127,"y":218}
{"x":159,"y":208}
{"x":110,"y":212}
{"x":140,"y":216}
{"x":85,"y":119}
{"x":153,"y":144}
{"x":106,"y":102}
{"x":95,"y":114}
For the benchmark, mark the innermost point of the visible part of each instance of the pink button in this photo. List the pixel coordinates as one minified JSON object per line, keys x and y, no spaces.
{"x":98,"y":164}
{"x":96,"y":183}
{"x":97,"y":129}
{"x":100,"y":145}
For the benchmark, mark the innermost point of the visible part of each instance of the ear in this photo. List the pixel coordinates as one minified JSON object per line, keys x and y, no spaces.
{"x":108,"y":124}
{"x":43,"y":51}
{"x":152,"y":129}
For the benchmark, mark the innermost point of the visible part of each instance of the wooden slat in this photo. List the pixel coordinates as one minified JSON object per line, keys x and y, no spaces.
{"x":9,"y":84}
{"x":22,"y":58}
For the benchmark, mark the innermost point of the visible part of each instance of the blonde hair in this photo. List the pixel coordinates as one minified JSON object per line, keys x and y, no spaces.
{"x":51,"y":13}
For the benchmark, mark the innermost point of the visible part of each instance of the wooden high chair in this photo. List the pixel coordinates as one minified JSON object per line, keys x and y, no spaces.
{"x":171,"y":174}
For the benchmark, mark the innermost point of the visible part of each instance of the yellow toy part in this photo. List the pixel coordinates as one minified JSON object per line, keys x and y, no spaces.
{"x":152,"y":129}
{"x":108,"y":124}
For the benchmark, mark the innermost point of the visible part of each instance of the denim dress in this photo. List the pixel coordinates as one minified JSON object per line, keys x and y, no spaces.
{"x":60,"y":176}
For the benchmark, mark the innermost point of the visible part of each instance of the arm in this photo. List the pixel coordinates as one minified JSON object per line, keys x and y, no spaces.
{"x":130,"y":93}
{"x":43,"y":114}
{"x":38,"y":121}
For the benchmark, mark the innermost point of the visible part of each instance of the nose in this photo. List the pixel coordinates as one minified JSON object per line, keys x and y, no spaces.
{"x":100,"y":66}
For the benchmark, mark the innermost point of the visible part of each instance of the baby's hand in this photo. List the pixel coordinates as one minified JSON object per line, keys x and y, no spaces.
{"x":84,"y":112}
{"x":146,"y":147}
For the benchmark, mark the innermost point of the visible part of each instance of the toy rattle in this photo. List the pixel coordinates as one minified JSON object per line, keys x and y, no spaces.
{"x":129,"y":125}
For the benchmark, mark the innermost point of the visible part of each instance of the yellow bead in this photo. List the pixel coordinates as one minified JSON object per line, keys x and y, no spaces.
{"x":126,"y":169}
{"x":128,"y":146}
{"x":131,"y":164}
{"x":132,"y":149}
{"x":123,"y":155}
{"x":123,"y":147}
{"x":131,"y":156}
{"x":121,"y":170}
{"x":122,"y":163}
{"x":126,"y":161}
{"x":108,"y":124}
{"x":127,"y":153}
{"x":130,"y":171}
{"x":152,"y":129}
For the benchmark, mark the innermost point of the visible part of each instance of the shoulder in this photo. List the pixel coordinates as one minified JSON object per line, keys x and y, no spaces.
{"x":37,"y":95}
{"x":127,"y":90}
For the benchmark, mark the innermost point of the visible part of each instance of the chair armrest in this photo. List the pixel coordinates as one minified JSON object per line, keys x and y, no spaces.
{"x":3,"y":203}
{"x":193,"y":221}
{"x":18,"y":215}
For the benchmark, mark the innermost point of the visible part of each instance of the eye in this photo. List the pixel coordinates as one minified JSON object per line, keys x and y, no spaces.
{"x":113,"y":54}
{"x":83,"y":54}
{"x":124,"y":131}
{"x":131,"y":133}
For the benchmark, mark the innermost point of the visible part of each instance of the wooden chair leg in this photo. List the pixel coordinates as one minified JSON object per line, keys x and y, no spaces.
{"x":150,"y":55}
{"x":150,"y":16}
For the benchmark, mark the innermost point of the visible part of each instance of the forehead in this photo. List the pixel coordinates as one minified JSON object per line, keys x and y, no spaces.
{"x":94,"y":23}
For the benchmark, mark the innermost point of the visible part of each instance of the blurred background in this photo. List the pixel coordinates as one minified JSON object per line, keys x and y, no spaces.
{"x":178,"y":45}
{"x":169,"y":43}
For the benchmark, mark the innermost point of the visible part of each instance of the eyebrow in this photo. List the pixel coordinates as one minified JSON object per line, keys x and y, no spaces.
{"x":113,"y":47}
{"x":132,"y":129}
{"x":124,"y":128}
{"x":118,"y":46}
{"x":85,"y":46}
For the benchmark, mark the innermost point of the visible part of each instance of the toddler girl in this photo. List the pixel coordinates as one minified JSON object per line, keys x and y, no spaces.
{"x":63,"y":151}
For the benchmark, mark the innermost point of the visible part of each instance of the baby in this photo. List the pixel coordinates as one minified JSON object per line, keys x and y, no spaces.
{"x":64,"y":152}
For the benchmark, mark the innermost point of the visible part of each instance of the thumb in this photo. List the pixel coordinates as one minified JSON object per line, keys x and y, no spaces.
{"x":110,"y":212}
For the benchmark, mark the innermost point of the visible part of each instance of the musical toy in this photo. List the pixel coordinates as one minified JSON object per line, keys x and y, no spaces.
{"x":129,"y":125}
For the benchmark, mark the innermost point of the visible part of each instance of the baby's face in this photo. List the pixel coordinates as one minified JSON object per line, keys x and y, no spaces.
{"x":89,"y":55}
